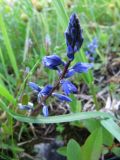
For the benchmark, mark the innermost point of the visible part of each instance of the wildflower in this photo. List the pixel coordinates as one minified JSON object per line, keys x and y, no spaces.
{"x":62,"y":97}
{"x":92,"y":48}
{"x":45,"y":111}
{"x":73,"y":36}
{"x":82,"y":67}
{"x":28,"y":107}
{"x":68,"y":87}
{"x":52,"y":62}
{"x":69,"y":73}
{"x":34,"y":86}
{"x":46,"y":90}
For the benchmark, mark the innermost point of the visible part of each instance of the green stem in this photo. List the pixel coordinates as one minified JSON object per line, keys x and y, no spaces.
{"x":92,"y":89}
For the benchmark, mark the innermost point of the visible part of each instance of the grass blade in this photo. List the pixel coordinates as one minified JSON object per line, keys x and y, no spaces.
{"x":8,"y":46}
{"x":4,"y":92}
{"x":56,"y":119}
{"x":61,"y":13}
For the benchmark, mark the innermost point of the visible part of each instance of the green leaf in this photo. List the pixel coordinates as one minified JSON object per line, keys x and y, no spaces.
{"x":93,"y":146}
{"x":55,"y":119}
{"x":107,"y":137}
{"x":8,"y":46}
{"x":5,"y":93}
{"x":73,"y":150}
{"x":112,"y":127}
{"x":62,"y":151}
{"x":11,"y":147}
{"x":116,"y":151}
{"x":91,"y":124}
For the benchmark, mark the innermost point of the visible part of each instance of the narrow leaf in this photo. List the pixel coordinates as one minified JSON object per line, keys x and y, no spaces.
{"x":112,"y":127}
{"x":5,"y":93}
{"x":93,"y":146}
{"x":8,"y":45}
{"x":56,"y":119}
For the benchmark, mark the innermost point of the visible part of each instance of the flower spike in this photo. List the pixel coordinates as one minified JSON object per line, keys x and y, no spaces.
{"x":74,"y":38}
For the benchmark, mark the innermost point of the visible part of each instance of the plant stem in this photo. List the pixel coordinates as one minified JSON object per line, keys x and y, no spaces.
{"x":92,"y":88}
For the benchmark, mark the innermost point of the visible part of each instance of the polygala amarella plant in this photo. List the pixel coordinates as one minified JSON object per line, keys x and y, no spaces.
{"x":74,"y":41}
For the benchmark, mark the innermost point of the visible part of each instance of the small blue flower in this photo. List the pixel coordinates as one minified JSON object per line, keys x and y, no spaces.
{"x":52,"y":62}
{"x":45,"y":111}
{"x":69,"y":73}
{"x":46,"y":90}
{"x":62,"y":97}
{"x":82,"y":67}
{"x":34,"y":86}
{"x":68,"y":87}
{"x":28,"y":107}
{"x":73,"y":36}
{"x":92,"y":49}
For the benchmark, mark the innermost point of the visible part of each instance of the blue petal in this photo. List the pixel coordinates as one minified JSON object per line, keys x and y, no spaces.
{"x":70,"y":52}
{"x":45,"y":111}
{"x":52,"y":62}
{"x":46,"y":90}
{"x":82,"y":67}
{"x":68,"y":87}
{"x":34,"y":86}
{"x":25,"y":107}
{"x":62,"y":97}
{"x":69,"y":73}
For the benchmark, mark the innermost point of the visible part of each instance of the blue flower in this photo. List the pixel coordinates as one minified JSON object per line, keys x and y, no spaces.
{"x":73,"y":36}
{"x":46,"y":90}
{"x":82,"y":67}
{"x":92,"y":49}
{"x":62,"y":97}
{"x":68,"y":87}
{"x":52,"y":62}
{"x":34,"y":86}
{"x":45,"y":111}
{"x":28,"y":107}
{"x":69,"y":73}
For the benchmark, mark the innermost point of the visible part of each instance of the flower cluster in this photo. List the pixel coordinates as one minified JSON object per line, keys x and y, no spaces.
{"x":92,"y":49}
{"x":74,"y":40}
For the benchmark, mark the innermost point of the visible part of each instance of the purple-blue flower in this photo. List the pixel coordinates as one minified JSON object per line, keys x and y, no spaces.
{"x":52,"y":62}
{"x":68,"y":87}
{"x":73,"y":36}
{"x":45,"y":111}
{"x":69,"y":73}
{"x":92,"y":48}
{"x":34,"y":86}
{"x":62,"y":97}
{"x":27,"y":107}
{"x":82,"y":67}
{"x":46,"y":90}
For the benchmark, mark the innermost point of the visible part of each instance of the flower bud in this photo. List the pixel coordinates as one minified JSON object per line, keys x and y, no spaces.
{"x":38,"y":6}
{"x":24,"y":17}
